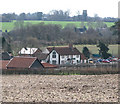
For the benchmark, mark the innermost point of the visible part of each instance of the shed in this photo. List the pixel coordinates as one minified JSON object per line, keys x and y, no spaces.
{"x":20,"y":62}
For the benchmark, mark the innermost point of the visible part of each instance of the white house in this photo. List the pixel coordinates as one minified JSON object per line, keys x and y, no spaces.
{"x":29,"y":51}
{"x":65,"y":55}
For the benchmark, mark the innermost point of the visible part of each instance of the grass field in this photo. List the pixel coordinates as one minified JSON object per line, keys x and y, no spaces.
{"x":93,"y":49}
{"x":10,"y":25}
{"x":113,"y":49}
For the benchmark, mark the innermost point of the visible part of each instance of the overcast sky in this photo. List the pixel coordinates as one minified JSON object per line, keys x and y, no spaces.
{"x":104,"y":8}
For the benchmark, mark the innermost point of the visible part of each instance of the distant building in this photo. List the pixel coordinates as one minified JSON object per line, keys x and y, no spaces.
{"x":85,"y":15}
{"x":80,"y":30}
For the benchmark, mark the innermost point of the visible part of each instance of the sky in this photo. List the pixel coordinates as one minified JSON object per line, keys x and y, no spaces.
{"x":104,"y":8}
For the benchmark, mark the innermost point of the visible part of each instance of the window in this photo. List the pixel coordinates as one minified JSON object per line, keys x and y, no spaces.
{"x":54,"y":55}
{"x":73,"y":58}
{"x":53,"y":61}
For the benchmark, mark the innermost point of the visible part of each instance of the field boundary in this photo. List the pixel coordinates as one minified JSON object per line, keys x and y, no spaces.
{"x":71,"y":70}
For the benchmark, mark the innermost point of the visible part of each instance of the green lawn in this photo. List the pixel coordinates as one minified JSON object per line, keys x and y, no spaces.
{"x":10,"y":25}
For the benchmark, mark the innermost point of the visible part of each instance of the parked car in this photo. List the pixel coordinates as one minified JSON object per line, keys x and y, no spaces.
{"x":105,"y":61}
{"x":113,"y":59}
{"x":91,"y":61}
{"x":99,"y":60}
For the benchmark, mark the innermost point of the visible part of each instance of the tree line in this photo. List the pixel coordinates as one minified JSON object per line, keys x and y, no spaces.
{"x":54,"y":15}
{"x":41,"y":35}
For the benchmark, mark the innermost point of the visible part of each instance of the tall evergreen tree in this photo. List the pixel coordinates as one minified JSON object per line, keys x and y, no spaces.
{"x":103,"y":51}
{"x":5,"y":45}
{"x":86,"y":52}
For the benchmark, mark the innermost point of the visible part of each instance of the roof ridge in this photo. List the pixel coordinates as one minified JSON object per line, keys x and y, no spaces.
{"x":24,"y":57}
{"x":61,"y":47}
{"x":33,"y":62}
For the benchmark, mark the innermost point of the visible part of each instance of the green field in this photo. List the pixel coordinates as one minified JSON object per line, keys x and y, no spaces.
{"x":10,"y":25}
{"x":113,"y":49}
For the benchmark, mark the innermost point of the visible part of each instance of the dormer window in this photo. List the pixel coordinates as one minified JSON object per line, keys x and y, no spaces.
{"x":54,"y":55}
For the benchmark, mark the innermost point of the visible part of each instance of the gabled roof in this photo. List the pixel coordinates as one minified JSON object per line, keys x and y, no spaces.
{"x":28,"y":50}
{"x":21,"y":62}
{"x":65,"y":50}
{"x":3,"y":64}
{"x":47,"y":65}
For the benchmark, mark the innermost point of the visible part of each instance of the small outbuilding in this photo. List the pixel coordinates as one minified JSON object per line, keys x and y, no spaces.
{"x":24,"y":63}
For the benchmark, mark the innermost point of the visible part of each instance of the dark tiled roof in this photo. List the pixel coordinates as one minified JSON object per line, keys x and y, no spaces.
{"x":41,"y":56}
{"x":3,"y":64}
{"x":65,"y":50}
{"x":21,"y":62}
{"x":47,"y":65}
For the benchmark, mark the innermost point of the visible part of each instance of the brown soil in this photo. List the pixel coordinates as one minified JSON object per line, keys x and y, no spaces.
{"x":58,"y":88}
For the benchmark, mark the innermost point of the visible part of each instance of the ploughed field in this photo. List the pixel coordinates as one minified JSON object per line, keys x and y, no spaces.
{"x":60,"y":88}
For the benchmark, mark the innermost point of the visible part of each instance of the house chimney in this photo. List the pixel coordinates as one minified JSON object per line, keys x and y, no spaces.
{"x":70,"y":45}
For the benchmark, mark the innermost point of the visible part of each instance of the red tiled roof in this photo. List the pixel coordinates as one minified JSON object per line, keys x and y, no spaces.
{"x":21,"y":62}
{"x":65,"y":50}
{"x":3,"y":64}
{"x":47,"y":65}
